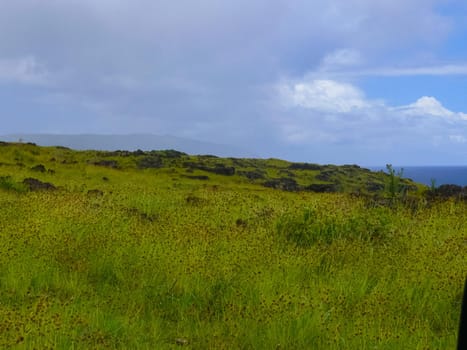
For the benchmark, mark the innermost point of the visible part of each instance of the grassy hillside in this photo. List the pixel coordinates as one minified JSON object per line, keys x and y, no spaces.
{"x":162,"y":250}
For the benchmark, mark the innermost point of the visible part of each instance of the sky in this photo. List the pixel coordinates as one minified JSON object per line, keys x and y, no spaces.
{"x":338,"y":81}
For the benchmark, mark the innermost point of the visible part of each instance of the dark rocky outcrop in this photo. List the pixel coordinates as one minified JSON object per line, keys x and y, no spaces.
{"x":150,"y":162}
{"x":197,"y":177}
{"x":448,"y":191}
{"x":284,"y":183}
{"x":372,"y":186}
{"x":106,"y":163}
{"x":305,"y":166}
{"x":326,"y":175}
{"x":37,"y":185}
{"x":39,"y":168}
{"x":322,"y":188}
{"x":219,"y":169}
{"x":68,"y":161}
{"x":252,"y":175}
{"x":222,"y":170}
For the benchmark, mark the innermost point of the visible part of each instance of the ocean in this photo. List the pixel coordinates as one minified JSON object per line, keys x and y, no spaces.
{"x":456,"y":175}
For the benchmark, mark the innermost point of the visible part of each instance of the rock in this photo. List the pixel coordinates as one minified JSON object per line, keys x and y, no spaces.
{"x":197,"y":177}
{"x":181,"y":341}
{"x":241,"y":223}
{"x":448,"y":190}
{"x":284,"y":183}
{"x":223,"y":170}
{"x":150,"y":162}
{"x":107,"y":163}
{"x":66,"y":161}
{"x":219,"y":169}
{"x":326,"y":175}
{"x":305,"y":166}
{"x":95,"y":192}
{"x":37,"y":185}
{"x":252,"y":175}
{"x":372,"y":186}
{"x":322,"y":188}
{"x":40,"y":168}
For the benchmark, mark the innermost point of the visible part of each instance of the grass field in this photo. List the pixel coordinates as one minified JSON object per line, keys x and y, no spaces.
{"x":128,"y":258}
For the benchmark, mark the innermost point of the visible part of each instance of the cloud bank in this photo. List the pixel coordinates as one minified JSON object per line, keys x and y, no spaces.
{"x":276,"y":75}
{"x":316,"y":112}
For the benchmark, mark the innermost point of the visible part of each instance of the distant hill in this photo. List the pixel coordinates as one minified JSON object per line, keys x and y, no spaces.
{"x":273,"y":173}
{"x":132,"y":142}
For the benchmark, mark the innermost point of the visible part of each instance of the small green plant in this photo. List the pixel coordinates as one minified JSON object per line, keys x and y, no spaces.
{"x":315,"y":226}
{"x":394,"y":185}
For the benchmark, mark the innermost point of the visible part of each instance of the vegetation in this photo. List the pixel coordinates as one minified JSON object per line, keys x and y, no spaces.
{"x":161,"y":250}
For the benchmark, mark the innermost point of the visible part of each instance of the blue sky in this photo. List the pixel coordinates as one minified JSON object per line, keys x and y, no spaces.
{"x":336,"y":81}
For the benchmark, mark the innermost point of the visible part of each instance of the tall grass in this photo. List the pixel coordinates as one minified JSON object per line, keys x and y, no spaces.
{"x":158,"y":262}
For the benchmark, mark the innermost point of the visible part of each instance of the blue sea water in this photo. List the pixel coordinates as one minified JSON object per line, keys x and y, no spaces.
{"x":441,"y":174}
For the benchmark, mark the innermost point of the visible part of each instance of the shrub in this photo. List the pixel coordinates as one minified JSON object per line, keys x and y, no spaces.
{"x":7,"y":183}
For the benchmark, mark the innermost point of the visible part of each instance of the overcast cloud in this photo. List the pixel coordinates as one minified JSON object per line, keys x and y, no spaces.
{"x":282,"y":77}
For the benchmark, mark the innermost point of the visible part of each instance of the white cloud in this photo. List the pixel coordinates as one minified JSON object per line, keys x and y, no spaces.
{"x":335,"y":97}
{"x":430,"y":106}
{"x":426,"y":105}
{"x":332,"y":112}
{"x":323,"y":95}
{"x":24,"y":70}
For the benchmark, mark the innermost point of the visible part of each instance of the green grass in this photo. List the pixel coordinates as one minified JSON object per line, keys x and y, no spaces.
{"x":160,"y":261}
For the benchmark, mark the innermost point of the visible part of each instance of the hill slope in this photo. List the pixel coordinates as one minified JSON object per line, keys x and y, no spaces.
{"x":161,"y":250}
{"x":273,"y":173}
